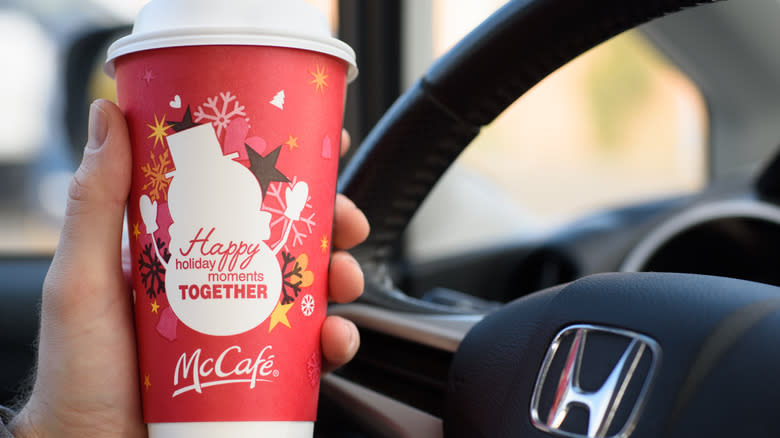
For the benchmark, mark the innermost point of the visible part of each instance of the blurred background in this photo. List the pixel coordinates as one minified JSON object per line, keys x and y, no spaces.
{"x":622,"y":121}
{"x":688,"y":102}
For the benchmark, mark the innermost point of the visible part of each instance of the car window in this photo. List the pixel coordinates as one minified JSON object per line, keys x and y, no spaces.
{"x":618,"y":125}
{"x":30,"y":170}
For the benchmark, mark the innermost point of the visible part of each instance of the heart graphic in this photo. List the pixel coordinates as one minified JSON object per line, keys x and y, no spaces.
{"x":166,"y":327}
{"x":327,"y":148}
{"x":256,"y":143}
{"x":307,"y":278}
{"x":299,"y":274}
{"x":176,"y":102}
{"x":236,"y":140}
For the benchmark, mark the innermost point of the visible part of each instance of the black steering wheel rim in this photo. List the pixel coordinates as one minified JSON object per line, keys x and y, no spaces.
{"x":426,"y":129}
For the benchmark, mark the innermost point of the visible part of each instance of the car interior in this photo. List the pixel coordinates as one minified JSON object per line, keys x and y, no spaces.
{"x":502,"y":302}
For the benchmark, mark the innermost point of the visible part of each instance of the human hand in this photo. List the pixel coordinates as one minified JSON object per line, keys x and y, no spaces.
{"x":87,"y":377}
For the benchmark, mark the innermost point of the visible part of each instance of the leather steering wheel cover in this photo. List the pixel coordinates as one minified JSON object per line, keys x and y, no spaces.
{"x":425,"y":130}
{"x":715,"y":377}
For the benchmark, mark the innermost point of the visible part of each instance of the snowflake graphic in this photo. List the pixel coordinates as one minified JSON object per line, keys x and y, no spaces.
{"x":155,"y":172}
{"x":274,"y":203}
{"x":152,"y":271}
{"x":295,"y":277}
{"x":313,"y":369}
{"x":220,"y":116}
{"x":307,"y":305}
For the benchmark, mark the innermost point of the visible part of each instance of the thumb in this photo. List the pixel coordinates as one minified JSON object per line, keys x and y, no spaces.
{"x":89,"y":252}
{"x":86,"y":380}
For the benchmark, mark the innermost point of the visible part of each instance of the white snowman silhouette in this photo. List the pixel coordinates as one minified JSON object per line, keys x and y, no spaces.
{"x":222,"y":277}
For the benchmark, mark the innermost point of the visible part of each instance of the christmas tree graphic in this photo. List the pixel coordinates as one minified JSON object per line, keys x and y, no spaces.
{"x":278,"y":100}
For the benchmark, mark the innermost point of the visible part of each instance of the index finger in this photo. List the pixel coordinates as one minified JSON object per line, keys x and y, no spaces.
{"x":346,"y":140}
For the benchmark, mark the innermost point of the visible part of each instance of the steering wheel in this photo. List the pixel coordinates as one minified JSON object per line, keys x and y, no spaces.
{"x":635,"y":354}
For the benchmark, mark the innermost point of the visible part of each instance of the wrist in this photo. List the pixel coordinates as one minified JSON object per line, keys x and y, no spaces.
{"x":22,"y":426}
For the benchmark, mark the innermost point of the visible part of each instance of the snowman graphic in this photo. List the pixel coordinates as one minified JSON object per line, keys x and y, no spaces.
{"x":222,"y":278}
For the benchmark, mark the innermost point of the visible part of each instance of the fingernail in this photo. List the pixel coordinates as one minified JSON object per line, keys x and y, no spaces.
{"x":346,"y":202}
{"x":347,"y":257}
{"x":352,"y":329}
{"x":354,"y":261}
{"x":98,"y":126}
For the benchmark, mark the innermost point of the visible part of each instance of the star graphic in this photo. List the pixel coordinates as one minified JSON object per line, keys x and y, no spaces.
{"x":292,"y":142}
{"x":264,"y":168}
{"x":319,"y":79}
{"x":279,"y":316}
{"x":159,"y":130}
{"x":147,"y":381}
{"x":155,"y":307}
{"x":186,"y":122}
{"x":148,"y":77}
{"x":136,"y":231}
{"x":324,"y":244}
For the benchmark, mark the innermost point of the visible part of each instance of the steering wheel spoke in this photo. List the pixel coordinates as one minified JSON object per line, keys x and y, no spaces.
{"x":397,"y":382}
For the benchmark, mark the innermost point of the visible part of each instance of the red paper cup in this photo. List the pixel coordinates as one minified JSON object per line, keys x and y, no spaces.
{"x":235,"y":155}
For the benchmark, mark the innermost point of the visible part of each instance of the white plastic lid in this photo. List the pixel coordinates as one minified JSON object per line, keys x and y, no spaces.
{"x":281,"y":23}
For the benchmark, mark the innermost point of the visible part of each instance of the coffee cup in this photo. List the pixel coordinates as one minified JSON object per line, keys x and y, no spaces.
{"x":234,"y":110}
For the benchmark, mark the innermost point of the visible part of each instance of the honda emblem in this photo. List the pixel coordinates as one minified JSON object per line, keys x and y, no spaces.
{"x":600,"y":396}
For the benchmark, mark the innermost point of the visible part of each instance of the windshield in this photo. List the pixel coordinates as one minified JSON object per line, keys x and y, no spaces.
{"x":619,"y":125}
{"x":36,"y":161}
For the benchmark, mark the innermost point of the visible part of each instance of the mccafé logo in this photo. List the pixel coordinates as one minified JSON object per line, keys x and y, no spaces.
{"x":227,"y":368}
